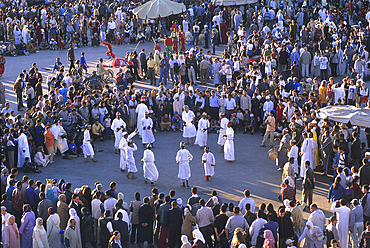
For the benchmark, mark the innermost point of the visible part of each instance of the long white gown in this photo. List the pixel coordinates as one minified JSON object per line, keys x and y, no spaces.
{"x":209,"y":170}
{"x":188,"y":127}
{"x":229,"y":145}
{"x":147,"y":134}
{"x":123,"y":155}
{"x":202,"y":133}
{"x":140,"y":110}
{"x":293,"y":153}
{"x":53,"y":229}
{"x":117,"y":125}
{"x":149,"y":168}
{"x":62,"y":142}
{"x":314,"y":146}
{"x":183,"y":157}
{"x":306,"y":151}
{"x":87,"y":147}
{"x":73,"y":215}
{"x":221,"y":141}
{"x":342,"y":224}
{"x":130,"y":158}
{"x":23,"y":150}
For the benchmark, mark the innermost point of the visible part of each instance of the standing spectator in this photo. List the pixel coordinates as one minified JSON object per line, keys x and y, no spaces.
{"x":205,"y":220}
{"x":174,"y":223}
{"x":134,"y":208}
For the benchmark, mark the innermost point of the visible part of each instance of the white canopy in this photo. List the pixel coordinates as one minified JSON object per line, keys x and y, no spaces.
{"x":345,"y":113}
{"x":158,"y":8}
{"x":233,"y":2}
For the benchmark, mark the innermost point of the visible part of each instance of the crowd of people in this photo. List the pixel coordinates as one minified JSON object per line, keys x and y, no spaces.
{"x":282,"y":62}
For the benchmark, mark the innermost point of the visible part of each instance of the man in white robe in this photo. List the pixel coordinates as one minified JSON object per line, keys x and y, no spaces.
{"x":122,"y":144}
{"x":223,"y":126}
{"x":293,"y":153}
{"x":53,"y":229}
{"x":209,"y":162}
{"x":150,"y":170}
{"x":314,"y":147}
{"x":202,"y":133}
{"x":23,"y":149}
{"x":183,"y":157}
{"x":317,"y":217}
{"x":88,"y":150}
{"x":147,"y":133}
{"x":118,"y":126}
{"x":306,"y":153}
{"x":140,"y":110}
{"x":343,"y":214}
{"x":188,"y":125}
{"x":229,"y":144}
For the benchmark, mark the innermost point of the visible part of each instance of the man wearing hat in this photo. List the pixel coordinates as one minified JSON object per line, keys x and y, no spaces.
{"x":188,"y":125}
{"x":223,"y":126}
{"x":270,"y":129}
{"x":203,"y":126}
{"x":118,"y":126}
{"x":150,"y":170}
{"x":88,"y":150}
{"x":4,"y":217}
{"x":293,"y":153}
{"x":147,"y":134}
{"x":122,"y":147}
{"x":140,"y":110}
{"x":229,"y":143}
{"x":183,"y":157}
{"x":283,"y":149}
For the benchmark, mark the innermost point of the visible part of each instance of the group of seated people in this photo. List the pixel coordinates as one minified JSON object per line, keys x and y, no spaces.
{"x":21,"y":49}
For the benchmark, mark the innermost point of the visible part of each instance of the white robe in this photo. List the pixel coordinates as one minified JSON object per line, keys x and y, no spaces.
{"x":25,"y":35}
{"x":221,"y":141}
{"x":342,"y":224}
{"x":130,"y":157}
{"x":209,"y":169}
{"x":62,"y":142}
{"x":88,"y":150}
{"x":293,"y":153}
{"x":53,"y":230}
{"x":123,"y":155}
{"x":117,"y":126}
{"x":147,"y":134}
{"x":149,"y":168}
{"x":202,"y":134}
{"x":77,"y":228}
{"x":188,"y":127}
{"x":125,"y":217}
{"x":306,"y":151}
{"x":140,"y":110}
{"x":183,"y":157}
{"x":40,"y":160}
{"x":314,"y":146}
{"x":229,"y":145}
{"x":23,"y":150}
{"x":17,"y":36}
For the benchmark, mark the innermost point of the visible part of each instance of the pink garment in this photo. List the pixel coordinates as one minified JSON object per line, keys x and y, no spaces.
{"x":11,"y":238}
{"x":269,"y":239}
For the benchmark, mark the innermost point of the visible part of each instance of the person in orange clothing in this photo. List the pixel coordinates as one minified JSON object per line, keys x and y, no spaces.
{"x":168,"y":45}
{"x":182,"y":39}
{"x":157,"y":47}
{"x":49,"y":143}
{"x":2,"y":64}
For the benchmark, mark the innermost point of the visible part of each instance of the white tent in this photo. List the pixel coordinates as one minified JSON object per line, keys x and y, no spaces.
{"x":233,"y":2}
{"x":158,"y":8}
{"x":345,"y":113}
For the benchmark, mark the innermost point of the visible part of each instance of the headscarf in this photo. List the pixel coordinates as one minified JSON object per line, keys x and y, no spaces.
{"x":269,"y":239}
{"x":186,"y":211}
{"x":27,"y":208}
{"x":38,"y":226}
{"x":198,"y":235}
{"x":120,"y":196}
{"x":40,"y":149}
{"x":184,"y":240}
{"x":309,"y":223}
{"x":14,"y":225}
{"x":72,"y":213}
{"x":215,"y":200}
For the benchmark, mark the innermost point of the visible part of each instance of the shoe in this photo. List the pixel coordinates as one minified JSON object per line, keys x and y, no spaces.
{"x":262,"y":145}
{"x":299,"y":179}
{"x":280,"y":169}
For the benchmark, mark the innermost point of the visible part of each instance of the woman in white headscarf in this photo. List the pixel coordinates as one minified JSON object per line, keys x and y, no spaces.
{"x":17,"y":35}
{"x":73,"y":214}
{"x":187,"y":224}
{"x":40,"y":239}
{"x":185,"y":242}
{"x":61,"y":139}
{"x":313,"y":235}
{"x":199,"y":241}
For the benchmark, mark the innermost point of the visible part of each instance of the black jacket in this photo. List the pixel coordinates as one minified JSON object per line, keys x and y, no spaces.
{"x":122,"y":227}
{"x":285,"y":227}
{"x":364,"y":173}
{"x":87,"y":229}
{"x":356,"y":149}
{"x":174,"y":219}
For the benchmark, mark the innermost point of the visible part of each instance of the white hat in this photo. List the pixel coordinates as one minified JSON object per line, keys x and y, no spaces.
{"x":267,"y":97}
{"x":251,"y":115}
{"x":288,"y":241}
{"x":367,"y":153}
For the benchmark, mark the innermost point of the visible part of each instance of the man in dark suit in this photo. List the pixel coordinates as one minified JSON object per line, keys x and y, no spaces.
{"x":142,"y":58}
{"x":174,"y":223}
{"x":122,"y":227}
{"x":356,"y":150}
{"x":145,"y":223}
{"x":76,"y":203}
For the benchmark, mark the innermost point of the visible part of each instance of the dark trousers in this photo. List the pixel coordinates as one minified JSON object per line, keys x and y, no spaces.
{"x":104,"y":240}
{"x":134,"y":233}
{"x":19,"y":100}
{"x":174,"y":238}
{"x":84,"y":242}
{"x":214,"y":112}
{"x":18,"y":217}
{"x":223,"y":242}
{"x":207,"y":232}
{"x":71,"y":65}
